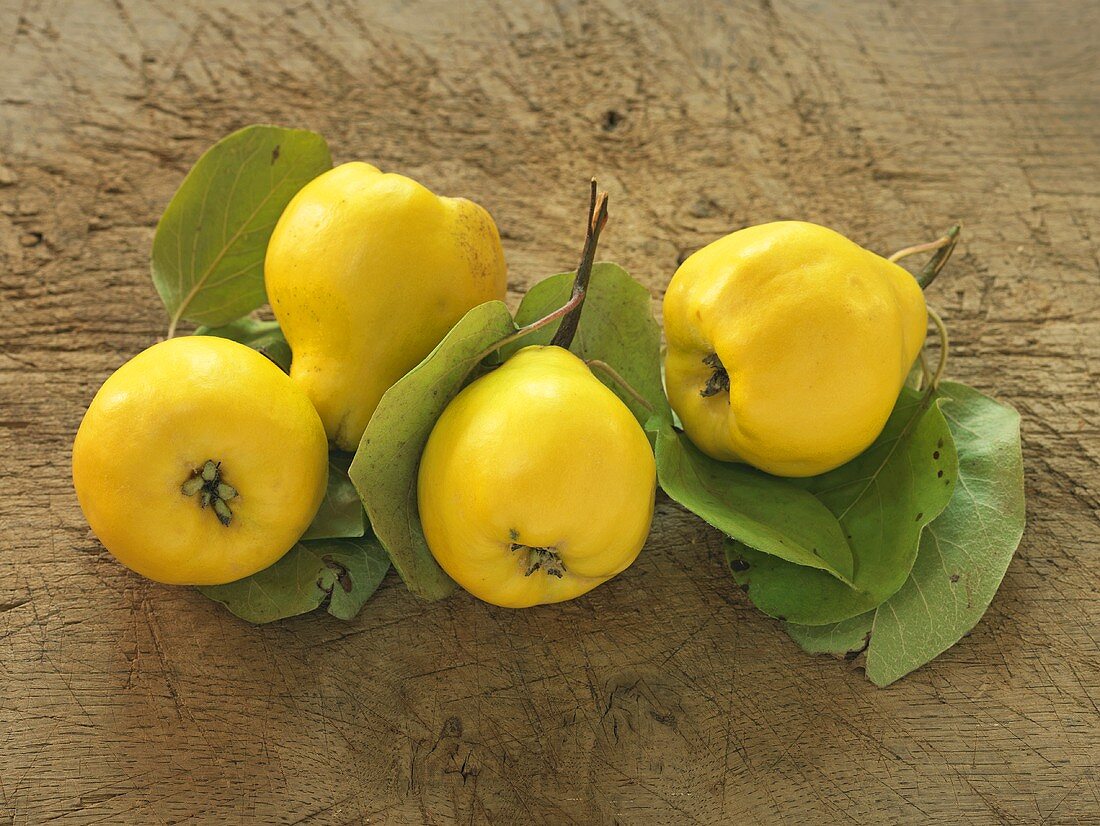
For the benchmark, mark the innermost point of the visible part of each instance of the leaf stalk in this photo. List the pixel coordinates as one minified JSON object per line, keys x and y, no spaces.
{"x":943,"y":247}
{"x":618,"y":378}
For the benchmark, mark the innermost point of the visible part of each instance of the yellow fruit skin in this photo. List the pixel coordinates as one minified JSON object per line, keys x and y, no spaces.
{"x":166,"y":412}
{"x":817,"y":335}
{"x":537,"y":453}
{"x":366,"y":272}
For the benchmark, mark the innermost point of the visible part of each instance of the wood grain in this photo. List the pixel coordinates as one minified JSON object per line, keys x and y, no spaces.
{"x":663,"y":697}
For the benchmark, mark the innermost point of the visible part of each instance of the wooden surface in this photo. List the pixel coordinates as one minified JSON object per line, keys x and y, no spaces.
{"x":663,"y":697}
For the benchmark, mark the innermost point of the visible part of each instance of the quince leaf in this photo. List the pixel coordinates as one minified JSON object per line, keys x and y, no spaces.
{"x":341,"y":513}
{"x":838,"y":638}
{"x":340,"y":574}
{"x":264,"y":336}
{"x":385,"y":467}
{"x":765,"y":512}
{"x":883,"y":499}
{"x":208,"y":251}
{"x":963,"y":554}
{"x":616,"y":327}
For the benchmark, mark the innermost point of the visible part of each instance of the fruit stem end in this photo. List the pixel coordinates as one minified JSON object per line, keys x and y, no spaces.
{"x":597,"y":218}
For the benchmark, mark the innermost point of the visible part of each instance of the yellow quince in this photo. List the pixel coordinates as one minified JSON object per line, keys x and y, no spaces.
{"x":366,"y":272}
{"x":537,"y":482}
{"x":788,"y":345}
{"x":199,"y":462}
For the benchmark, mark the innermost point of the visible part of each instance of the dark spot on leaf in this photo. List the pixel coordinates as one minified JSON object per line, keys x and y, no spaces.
{"x":745,"y":587}
{"x":275,"y":154}
{"x":739,"y":565}
{"x":939,"y":474}
{"x":939,"y":443}
{"x":935,"y":454}
{"x":954,"y":577}
{"x":919,"y":515}
{"x":611,"y":120}
{"x":342,"y":575}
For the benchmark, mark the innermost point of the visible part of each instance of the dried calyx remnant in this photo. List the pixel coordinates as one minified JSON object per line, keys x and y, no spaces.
{"x":719,"y":381}
{"x":212,"y":490}
{"x":539,"y":559}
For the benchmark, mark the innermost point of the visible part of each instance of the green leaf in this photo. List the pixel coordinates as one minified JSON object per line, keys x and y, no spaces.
{"x":883,"y":499}
{"x":264,"y":336}
{"x":341,"y":574}
{"x":964,"y":553}
{"x":209,"y":246}
{"x":838,"y":638}
{"x":762,"y":511}
{"x":384,"y":470}
{"x":617,"y":327}
{"x":341,"y":513}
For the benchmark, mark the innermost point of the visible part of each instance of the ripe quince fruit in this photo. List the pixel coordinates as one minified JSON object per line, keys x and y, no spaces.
{"x":788,"y":345}
{"x":537,"y":482}
{"x":366,"y":272}
{"x":199,"y":462}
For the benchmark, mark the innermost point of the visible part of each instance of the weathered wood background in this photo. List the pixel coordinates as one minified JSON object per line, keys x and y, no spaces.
{"x":663,"y":697}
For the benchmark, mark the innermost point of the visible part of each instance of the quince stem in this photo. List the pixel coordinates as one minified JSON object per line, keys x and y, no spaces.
{"x":943,"y":247}
{"x":571,"y":310}
{"x":529,"y":328}
{"x":597,"y":218}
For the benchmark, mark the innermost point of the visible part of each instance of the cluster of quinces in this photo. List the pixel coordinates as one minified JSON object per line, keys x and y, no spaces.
{"x":517,"y":455}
